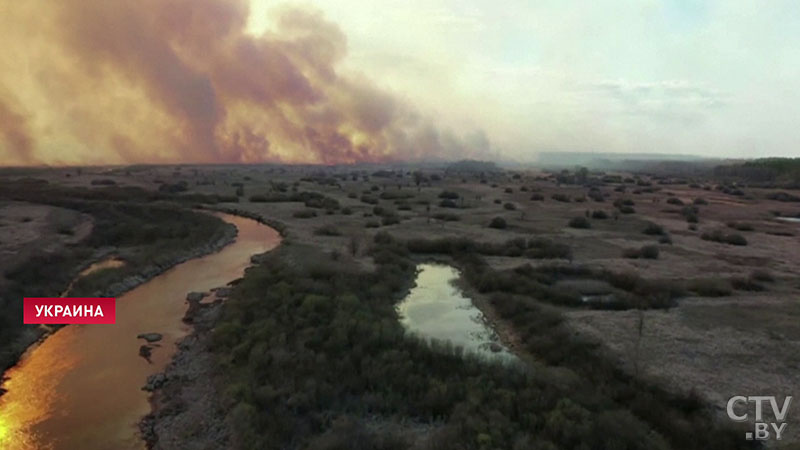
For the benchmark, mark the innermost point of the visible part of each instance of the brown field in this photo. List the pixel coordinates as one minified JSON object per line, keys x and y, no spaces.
{"x":741,"y":343}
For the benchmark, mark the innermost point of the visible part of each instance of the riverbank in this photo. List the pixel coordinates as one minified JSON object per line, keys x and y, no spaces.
{"x":34,"y":336}
{"x":184,"y":398}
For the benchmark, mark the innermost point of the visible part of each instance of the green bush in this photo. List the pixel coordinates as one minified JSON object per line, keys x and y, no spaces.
{"x":327,"y":230}
{"x":654,"y":229}
{"x":304,"y":214}
{"x":746,"y":284}
{"x":719,"y":236}
{"x":447,"y":217}
{"x":762,"y":275}
{"x":674,"y":201}
{"x":499,"y":223}
{"x":449,"y":195}
{"x":740,"y":226}
{"x":646,"y":252}
{"x":649,"y":252}
{"x":711,"y":287}
{"x":579,"y":222}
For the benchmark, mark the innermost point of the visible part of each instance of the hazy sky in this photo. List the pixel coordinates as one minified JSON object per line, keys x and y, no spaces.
{"x":717,"y":77}
{"x":338,"y":81}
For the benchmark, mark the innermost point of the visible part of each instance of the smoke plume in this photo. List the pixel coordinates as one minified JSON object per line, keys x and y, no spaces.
{"x":94,"y":81}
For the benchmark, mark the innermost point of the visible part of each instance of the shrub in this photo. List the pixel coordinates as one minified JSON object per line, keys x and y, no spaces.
{"x":711,"y":287}
{"x":740,"y":226}
{"x":499,"y":223}
{"x":649,"y":252}
{"x":368,"y":199}
{"x":630,"y":253}
{"x":654,"y":229}
{"x":390,"y":219}
{"x":546,"y":249}
{"x":304,"y":214}
{"x":579,"y":222}
{"x":383,"y":237}
{"x":596,"y":195}
{"x":690,"y":214}
{"x":735,"y":239}
{"x":646,"y":252}
{"x":510,"y":206}
{"x":783,"y":197}
{"x":560,"y":198}
{"x":746,"y":284}
{"x":599,"y":214}
{"x":537,"y":197}
{"x":700,"y":201}
{"x":719,"y":236}
{"x":674,"y":201}
{"x":627,"y":210}
{"x":762,"y":275}
{"x":447,"y":217}
{"x":327,"y":230}
{"x":447,"y":203}
{"x":509,"y":190}
{"x":449,"y":195}
{"x":65,"y":230}
{"x":396,"y":195}
{"x":665,"y":239}
{"x":372,"y":224}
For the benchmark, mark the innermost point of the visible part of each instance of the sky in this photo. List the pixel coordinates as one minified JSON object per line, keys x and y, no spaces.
{"x":716,"y":78}
{"x":342,"y":81}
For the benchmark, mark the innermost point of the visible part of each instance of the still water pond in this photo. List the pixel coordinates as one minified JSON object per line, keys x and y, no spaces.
{"x":437,"y":309}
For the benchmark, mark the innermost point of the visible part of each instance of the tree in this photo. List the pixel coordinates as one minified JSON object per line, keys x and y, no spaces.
{"x":418,"y":179}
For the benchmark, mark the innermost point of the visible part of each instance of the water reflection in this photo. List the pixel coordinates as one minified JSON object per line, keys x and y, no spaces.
{"x":436,"y":309}
{"x":81,"y":387}
{"x":109,"y":263}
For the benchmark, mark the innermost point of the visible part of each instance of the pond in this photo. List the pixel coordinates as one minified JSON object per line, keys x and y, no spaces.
{"x":436,"y":309}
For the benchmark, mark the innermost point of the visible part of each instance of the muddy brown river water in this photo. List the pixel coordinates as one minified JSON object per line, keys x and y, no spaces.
{"x":81,"y":387}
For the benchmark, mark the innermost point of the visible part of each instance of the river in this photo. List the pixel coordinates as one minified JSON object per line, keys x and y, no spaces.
{"x":81,"y":387}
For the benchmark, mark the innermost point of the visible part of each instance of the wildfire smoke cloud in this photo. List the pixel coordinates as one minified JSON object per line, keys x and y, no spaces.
{"x":95,"y":82}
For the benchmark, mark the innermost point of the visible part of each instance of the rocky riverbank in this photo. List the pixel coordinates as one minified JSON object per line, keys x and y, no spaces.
{"x":36,"y":335}
{"x":185,"y":409}
{"x":151,"y":271}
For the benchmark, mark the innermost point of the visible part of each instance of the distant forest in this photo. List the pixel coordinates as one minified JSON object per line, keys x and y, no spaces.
{"x":769,"y":172}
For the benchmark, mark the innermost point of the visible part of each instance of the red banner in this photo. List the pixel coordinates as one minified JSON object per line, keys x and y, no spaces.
{"x":63,"y":310}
